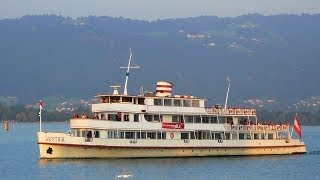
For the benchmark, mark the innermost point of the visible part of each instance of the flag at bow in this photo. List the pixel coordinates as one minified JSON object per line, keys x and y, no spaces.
{"x":40,"y":104}
{"x":297,"y":127}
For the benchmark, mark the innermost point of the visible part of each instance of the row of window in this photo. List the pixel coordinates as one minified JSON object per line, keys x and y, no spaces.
{"x":176,"y":102}
{"x":120,"y":99}
{"x":184,"y":119}
{"x":184,"y":135}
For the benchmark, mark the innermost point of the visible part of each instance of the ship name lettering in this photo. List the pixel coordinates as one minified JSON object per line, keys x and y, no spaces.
{"x":55,"y":139}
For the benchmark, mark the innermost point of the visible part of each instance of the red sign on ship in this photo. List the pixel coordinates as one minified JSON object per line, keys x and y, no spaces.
{"x":173,"y":125}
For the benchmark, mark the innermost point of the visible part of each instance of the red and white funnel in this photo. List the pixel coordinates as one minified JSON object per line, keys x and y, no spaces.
{"x":164,"y":88}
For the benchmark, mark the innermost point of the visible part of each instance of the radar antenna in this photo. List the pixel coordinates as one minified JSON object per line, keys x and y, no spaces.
{"x":227,"y":96}
{"x":125,"y":90}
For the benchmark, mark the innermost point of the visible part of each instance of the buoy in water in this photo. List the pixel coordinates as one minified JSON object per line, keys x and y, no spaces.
{"x":6,"y":125}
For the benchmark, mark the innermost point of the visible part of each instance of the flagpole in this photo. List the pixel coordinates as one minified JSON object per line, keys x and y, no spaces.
{"x":293,"y":126}
{"x":40,"y":114}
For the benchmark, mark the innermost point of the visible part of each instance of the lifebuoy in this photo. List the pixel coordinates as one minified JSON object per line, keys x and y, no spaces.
{"x":171,"y":135}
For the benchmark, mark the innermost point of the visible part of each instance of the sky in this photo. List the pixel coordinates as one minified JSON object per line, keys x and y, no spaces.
{"x":155,"y":9}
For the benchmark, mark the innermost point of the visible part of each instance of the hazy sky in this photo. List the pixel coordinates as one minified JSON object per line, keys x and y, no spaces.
{"x":155,"y":9}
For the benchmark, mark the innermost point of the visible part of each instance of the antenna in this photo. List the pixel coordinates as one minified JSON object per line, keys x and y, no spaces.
{"x":227,"y":96}
{"x":125,"y":90}
{"x":115,"y":89}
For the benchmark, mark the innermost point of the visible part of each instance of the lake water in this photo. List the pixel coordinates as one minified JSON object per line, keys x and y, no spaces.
{"x":19,"y":159}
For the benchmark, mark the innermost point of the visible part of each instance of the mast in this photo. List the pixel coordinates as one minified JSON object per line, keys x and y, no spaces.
{"x":227,"y":96}
{"x":125,"y":90}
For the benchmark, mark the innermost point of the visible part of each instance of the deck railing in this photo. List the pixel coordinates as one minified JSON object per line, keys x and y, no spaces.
{"x":231,"y":111}
{"x":261,"y":127}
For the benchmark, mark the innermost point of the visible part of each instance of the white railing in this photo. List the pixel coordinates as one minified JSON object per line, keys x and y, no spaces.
{"x":232,"y":111}
{"x":261,"y":127}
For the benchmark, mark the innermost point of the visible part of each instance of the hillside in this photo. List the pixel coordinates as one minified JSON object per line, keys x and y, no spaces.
{"x":265,"y":56}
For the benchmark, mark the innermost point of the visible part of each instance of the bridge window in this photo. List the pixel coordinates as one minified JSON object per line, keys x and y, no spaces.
{"x":115,"y":99}
{"x":168,"y":102}
{"x":158,"y":102}
{"x":105,"y":99}
{"x":197,"y":119}
{"x":127,"y":99}
{"x":213,"y":120}
{"x":205,"y":119}
{"x":195,"y":103}
{"x":177,"y":102}
{"x":141,"y":101}
{"x":188,"y":119}
{"x":186,"y":103}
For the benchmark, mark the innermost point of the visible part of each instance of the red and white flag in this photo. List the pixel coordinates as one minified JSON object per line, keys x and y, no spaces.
{"x":297,"y":127}
{"x":40,"y":104}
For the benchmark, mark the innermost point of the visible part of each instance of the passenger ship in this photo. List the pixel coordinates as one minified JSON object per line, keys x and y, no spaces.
{"x":160,"y":124}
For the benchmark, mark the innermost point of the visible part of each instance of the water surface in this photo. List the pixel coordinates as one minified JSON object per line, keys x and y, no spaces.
{"x":19,"y":159}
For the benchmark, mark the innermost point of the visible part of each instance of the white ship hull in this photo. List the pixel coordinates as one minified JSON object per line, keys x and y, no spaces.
{"x":59,"y":145}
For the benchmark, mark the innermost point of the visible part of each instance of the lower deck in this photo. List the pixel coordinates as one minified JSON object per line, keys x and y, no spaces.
{"x":61,"y":145}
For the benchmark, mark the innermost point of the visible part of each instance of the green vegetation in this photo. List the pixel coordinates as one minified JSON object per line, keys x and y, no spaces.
{"x":22,"y":114}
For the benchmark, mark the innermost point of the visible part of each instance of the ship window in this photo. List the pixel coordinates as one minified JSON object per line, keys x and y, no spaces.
{"x":213,"y":120}
{"x":127,"y":99}
{"x":205,"y":119}
{"x":270,"y":136}
{"x":110,"y":134}
{"x":126,"y":117}
{"x":78,"y":132}
{"x":189,"y":119}
{"x":175,"y":118}
{"x":159,"y":135}
{"x":256,"y":136}
{"x":141,"y":101}
{"x":143,"y":135}
{"x":148,"y":117}
{"x":105,"y":99}
{"x":121,"y":135}
{"x":115,"y":99}
{"x":186,"y":103}
{"x":103,"y":116}
{"x":262,"y":136}
{"x":158,"y":102}
{"x":115,"y":134}
{"x":192,"y":135}
{"x":164,"y":135}
{"x":157,"y":118}
{"x":227,"y":135}
{"x":83,"y":133}
{"x":195,"y":103}
{"x":218,"y":136}
{"x":184,"y":135}
{"x":136,"y":118}
{"x":113,"y":117}
{"x":248,"y":136}
{"x":130,"y":135}
{"x":197,"y":119}
{"x":176,"y":102}
{"x":96,"y":134}
{"x":241,"y":135}
{"x":168,"y":102}
{"x":151,"y":135}
{"x":234,"y":136}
